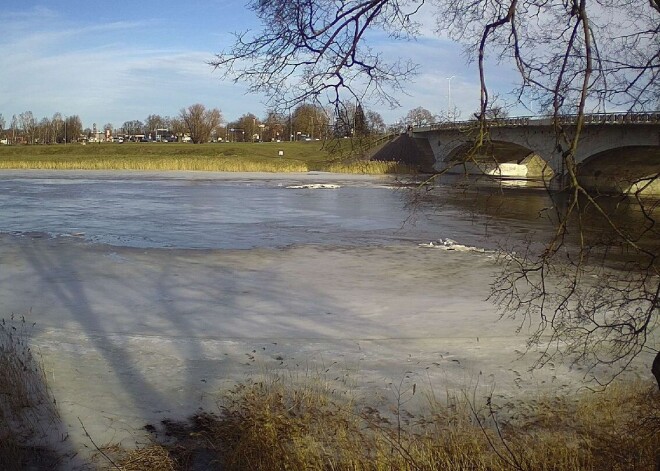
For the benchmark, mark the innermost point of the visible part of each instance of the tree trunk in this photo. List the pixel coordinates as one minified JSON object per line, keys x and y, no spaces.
{"x":656,"y":368}
{"x":656,"y":372}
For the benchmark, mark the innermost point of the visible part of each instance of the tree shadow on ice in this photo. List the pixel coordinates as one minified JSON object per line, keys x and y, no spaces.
{"x":210,"y":309}
{"x":61,"y":278}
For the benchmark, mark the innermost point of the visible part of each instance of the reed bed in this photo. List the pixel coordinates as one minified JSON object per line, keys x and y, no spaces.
{"x":160,"y":164}
{"x":272,"y":425}
{"x":370,"y":167}
{"x":28,"y":416}
{"x":305,"y":421}
{"x":225,"y":157}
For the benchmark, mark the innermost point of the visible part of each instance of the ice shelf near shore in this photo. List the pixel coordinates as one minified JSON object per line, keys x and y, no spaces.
{"x":132,"y":336}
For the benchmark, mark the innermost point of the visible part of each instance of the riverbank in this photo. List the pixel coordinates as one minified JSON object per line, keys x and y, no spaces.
{"x":272,"y":157}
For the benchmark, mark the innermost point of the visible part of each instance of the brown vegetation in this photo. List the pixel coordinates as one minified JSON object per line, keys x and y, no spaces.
{"x":279,"y":423}
{"x":270,"y":425}
{"x":28,"y":415}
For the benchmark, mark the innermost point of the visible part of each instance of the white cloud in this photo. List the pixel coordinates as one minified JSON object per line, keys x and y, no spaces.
{"x":123,"y":70}
{"x":107,"y":72}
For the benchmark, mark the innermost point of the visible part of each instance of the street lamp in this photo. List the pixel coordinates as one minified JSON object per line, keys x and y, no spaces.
{"x":450,"y":114}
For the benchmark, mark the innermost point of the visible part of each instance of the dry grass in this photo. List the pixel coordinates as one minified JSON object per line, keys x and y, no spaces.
{"x":269,"y":425}
{"x":160,"y":164}
{"x":152,"y":458}
{"x":370,"y":167}
{"x":305,"y":422}
{"x":27,"y":412}
{"x":225,"y":157}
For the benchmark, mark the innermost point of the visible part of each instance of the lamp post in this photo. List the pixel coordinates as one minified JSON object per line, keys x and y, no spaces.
{"x":450,"y":114}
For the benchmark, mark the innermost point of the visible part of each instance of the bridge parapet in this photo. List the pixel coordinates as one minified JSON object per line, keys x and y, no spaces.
{"x":591,"y":118}
{"x":613,"y":118}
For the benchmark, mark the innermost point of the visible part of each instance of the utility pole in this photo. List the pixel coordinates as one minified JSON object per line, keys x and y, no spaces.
{"x":450,"y":114}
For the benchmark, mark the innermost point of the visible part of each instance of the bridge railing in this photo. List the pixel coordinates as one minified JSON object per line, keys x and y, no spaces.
{"x":619,"y":118}
{"x":652,"y":117}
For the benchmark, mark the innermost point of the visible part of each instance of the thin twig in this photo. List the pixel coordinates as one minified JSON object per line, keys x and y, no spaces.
{"x":96,"y":446}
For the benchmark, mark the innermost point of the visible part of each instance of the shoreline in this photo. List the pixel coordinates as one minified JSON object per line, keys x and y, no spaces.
{"x":200,"y":174}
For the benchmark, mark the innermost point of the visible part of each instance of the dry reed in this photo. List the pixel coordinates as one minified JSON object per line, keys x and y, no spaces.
{"x":303,"y":422}
{"x":27,"y":412}
{"x":270,"y":425}
{"x":159,"y":164}
{"x":234,"y":157}
{"x":370,"y":167}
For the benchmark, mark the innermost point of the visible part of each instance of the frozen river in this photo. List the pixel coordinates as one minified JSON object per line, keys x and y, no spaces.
{"x":152,"y":292}
{"x":212,"y":211}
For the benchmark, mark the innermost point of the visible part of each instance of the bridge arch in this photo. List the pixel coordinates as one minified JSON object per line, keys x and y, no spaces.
{"x":502,"y":158}
{"x":493,"y":151}
{"x":621,"y":169}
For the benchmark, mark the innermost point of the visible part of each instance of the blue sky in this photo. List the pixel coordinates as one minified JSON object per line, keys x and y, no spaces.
{"x":120,"y":61}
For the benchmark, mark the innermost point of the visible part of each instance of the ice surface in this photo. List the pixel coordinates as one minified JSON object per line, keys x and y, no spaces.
{"x":131,"y":335}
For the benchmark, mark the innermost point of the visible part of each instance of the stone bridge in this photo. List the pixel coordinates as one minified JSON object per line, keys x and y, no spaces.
{"x":616,"y":153}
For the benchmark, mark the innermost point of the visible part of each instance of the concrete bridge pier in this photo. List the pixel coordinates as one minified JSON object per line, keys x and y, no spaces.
{"x":616,"y":154}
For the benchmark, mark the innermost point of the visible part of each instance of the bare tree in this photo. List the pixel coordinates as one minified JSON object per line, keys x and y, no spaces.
{"x":57,"y":123}
{"x":276,"y":125}
{"x":246,"y":127}
{"x":73,"y":128}
{"x":311,"y":48}
{"x":108,"y":130}
{"x":573,"y":56}
{"x":177,"y":126}
{"x":133,"y":127}
{"x":310,"y":120}
{"x":419,"y":116}
{"x":14,"y":128}
{"x":375,"y":122}
{"x":200,"y":122}
{"x":153,"y":123}
{"x":45,"y":131}
{"x":344,"y":122}
{"x":28,"y":125}
{"x":493,"y":112}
